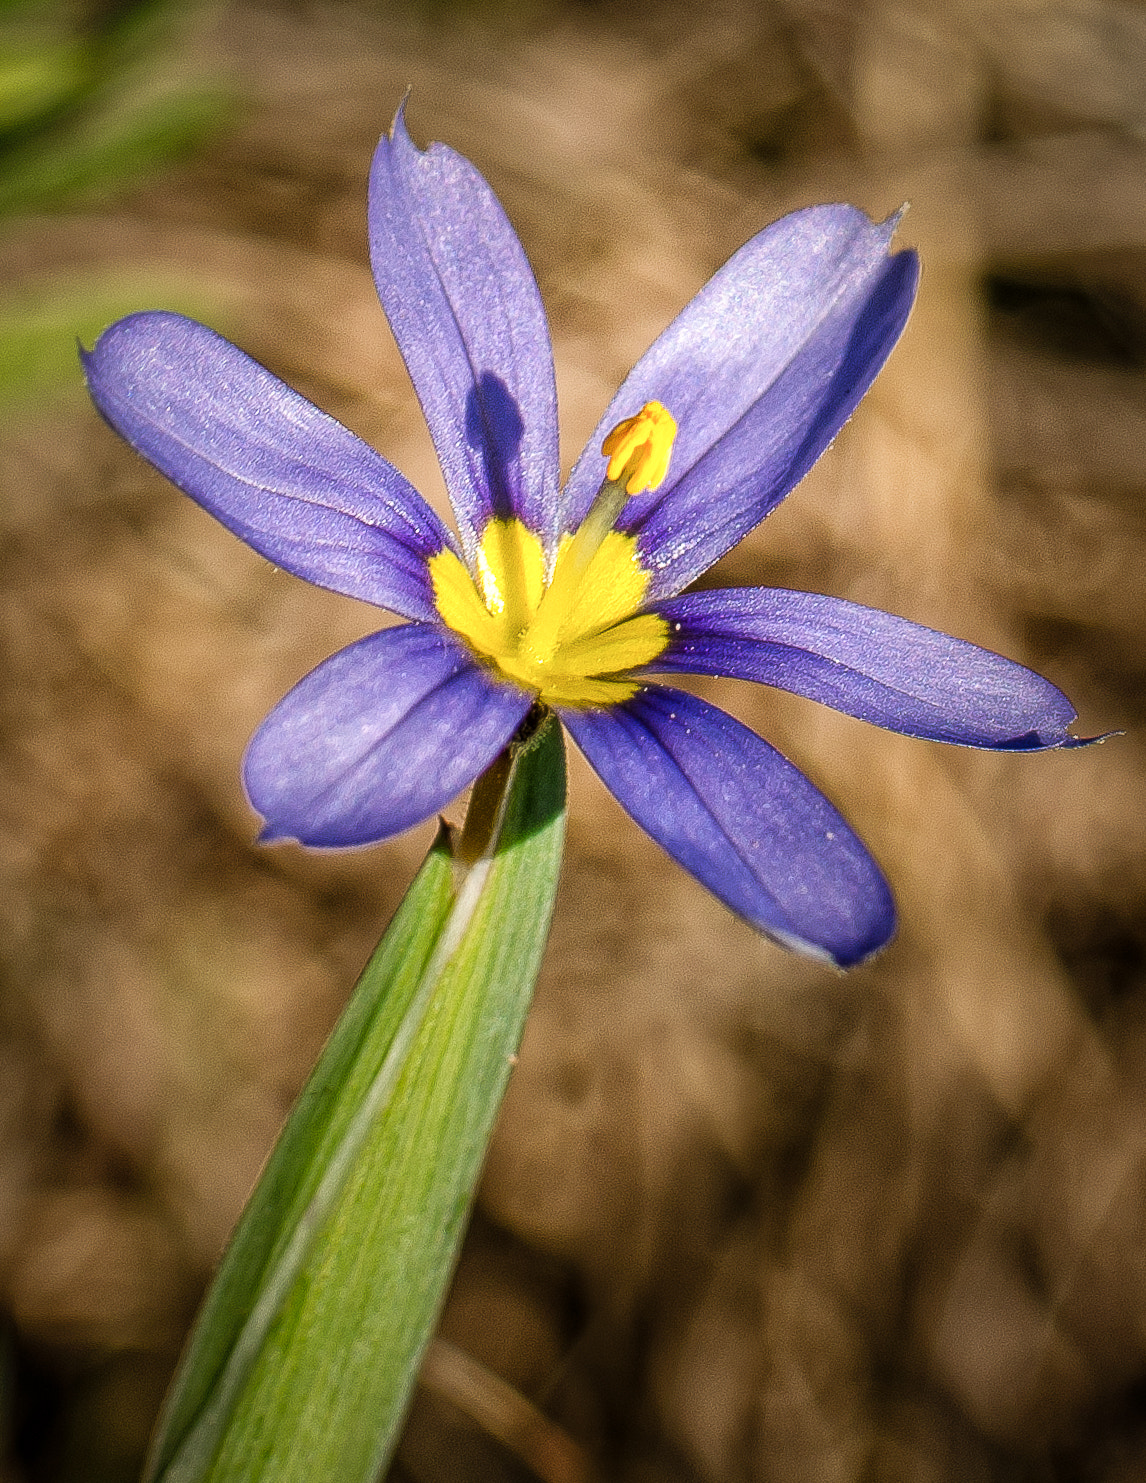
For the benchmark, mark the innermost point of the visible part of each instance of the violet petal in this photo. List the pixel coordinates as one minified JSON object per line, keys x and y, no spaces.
{"x":760,"y":371}
{"x":883,"y":669}
{"x":464,"y":307}
{"x":379,"y":737}
{"x":742,"y":819}
{"x":286,"y":478}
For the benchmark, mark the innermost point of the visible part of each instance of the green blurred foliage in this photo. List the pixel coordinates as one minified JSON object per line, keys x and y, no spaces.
{"x":92,"y":98}
{"x":89,"y":100}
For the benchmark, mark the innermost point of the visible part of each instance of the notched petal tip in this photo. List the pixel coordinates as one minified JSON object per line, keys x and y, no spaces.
{"x":863,"y":949}
{"x":1036,"y":741}
{"x":842,"y":961}
{"x":839,"y":220}
{"x":125,"y":339}
{"x":398,"y":125}
{"x":398,"y":133}
{"x":885,"y":226}
{"x":268,"y":834}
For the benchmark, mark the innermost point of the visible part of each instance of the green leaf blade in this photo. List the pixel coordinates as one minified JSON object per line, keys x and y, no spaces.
{"x":288,"y":1181}
{"x":325,"y":1393}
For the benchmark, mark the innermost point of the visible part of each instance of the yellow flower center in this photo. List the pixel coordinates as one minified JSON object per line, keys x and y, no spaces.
{"x":571,"y":641}
{"x":574,"y":639}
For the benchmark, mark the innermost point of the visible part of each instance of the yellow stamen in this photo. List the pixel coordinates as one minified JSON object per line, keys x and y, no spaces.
{"x":639,"y":448}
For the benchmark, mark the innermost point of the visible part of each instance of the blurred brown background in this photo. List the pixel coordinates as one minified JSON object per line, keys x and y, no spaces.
{"x":744,"y":1218}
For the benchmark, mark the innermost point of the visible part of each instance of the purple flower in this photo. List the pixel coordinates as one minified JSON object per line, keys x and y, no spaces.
{"x":572,"y":596}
